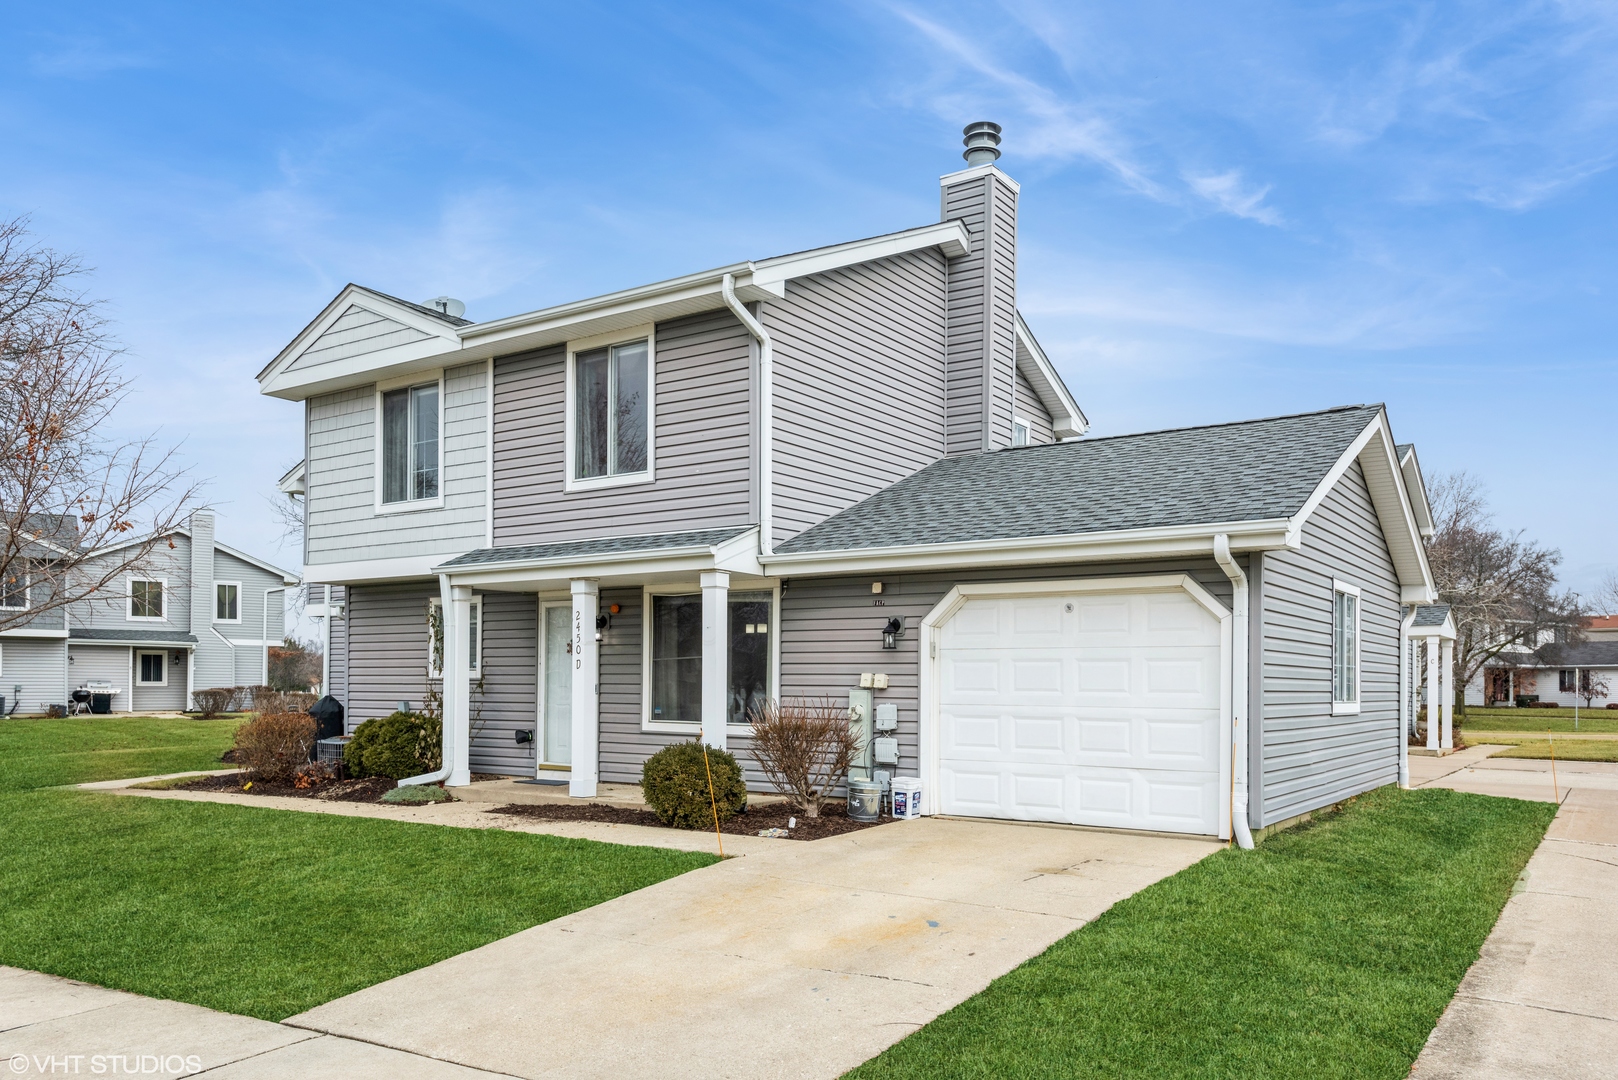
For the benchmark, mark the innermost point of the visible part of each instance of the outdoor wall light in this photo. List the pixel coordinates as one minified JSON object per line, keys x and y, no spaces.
{"x":524,"y":735}
{"x":892,"y":632}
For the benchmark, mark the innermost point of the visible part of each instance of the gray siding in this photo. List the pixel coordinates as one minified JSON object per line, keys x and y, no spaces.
{"x":982,"y":315}
{"x":102,"y":663}
{"x":167,"y":698}
{"x":238,"y":659}
{"x":831,"y":630}
{"x":387,"y":660}
{"x":110,"y":610}
{"x":1312,"y":758}
{"x":355,"y":333}
{"x":510,"y":685}
{"x":1029,"y":407}
{"x":342,"y":522}
{"x":703,"y":423}
{"x":859,"y":384}
{"x":39,"y":667}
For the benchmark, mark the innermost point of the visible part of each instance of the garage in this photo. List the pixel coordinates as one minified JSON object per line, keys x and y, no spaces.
{"x":1083,"y":704}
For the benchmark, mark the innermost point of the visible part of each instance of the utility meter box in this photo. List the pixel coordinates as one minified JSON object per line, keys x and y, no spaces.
{"x":886,"y":751}
{"x":859,"y":718}
{"x":887,"y":716}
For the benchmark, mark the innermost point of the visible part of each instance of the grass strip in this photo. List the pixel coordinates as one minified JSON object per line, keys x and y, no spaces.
{"x":84,"y":749}
{"x":1566,"y":749}
{"x":1330,"y":951}
{"x":1478,"y":720}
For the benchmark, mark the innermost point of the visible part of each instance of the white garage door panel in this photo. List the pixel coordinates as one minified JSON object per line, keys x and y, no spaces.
{"x":1095,"y":709}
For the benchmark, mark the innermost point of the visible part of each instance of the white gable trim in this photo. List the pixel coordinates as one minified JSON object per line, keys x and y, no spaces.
{"x":1067,"y":419}
{"x":279,"y":379}
{"x":1416,"y":484}
{"x":950,"y":237}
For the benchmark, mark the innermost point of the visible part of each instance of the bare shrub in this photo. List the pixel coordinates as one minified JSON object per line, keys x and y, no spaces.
{"x":274,"y":746}
{"x":210,"y":703}
{"x":805,"y":747}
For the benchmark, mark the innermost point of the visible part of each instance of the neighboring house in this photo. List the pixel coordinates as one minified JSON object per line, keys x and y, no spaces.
{"x":852,"y":471}
{"x":1552,"y":673}
{"x":201,"y":616}
{"x":1601,"y":628}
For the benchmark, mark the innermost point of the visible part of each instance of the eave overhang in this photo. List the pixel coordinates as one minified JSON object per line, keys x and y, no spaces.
{"x":737,"y":555}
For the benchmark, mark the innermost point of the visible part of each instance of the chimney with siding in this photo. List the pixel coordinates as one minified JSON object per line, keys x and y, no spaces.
{"x":981,"y":312}
{"x":202,"y":529}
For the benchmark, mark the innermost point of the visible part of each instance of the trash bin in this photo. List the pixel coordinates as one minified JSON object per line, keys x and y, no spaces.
{"x":101,"y":704}
{"x":864,"y":800}
{"x":328,"y":714}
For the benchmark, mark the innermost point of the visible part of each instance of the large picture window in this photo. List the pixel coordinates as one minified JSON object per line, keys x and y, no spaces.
{"x":676,"y":656}
{"x":145,"y":598}
{"x":611,"y":411}
{"x":410,"y":444}
{"x":1345,"y":681}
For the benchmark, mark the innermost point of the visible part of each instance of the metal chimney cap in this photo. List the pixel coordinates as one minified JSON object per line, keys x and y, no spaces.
{"x":982,"y":142}
{"x":447,"y":305}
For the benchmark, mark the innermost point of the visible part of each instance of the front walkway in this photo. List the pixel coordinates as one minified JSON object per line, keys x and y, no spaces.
{"x":1542,"y":1000}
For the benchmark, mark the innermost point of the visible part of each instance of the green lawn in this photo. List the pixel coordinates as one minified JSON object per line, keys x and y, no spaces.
{"x":254,"y":911}
{"x":1329,"y":952}
{"x":1479,"y":719}
{"x":1569,"y":749}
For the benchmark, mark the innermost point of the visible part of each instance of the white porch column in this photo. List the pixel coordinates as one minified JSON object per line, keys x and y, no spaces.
{"x":715,"y":656}
{"x":1434,"y":710}
{"x":1446,"y":680}
{"x":458,"y":685}
{"x":586,"y":766}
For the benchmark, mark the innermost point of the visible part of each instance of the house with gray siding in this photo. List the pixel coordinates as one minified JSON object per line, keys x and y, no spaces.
{"x":852,"y":471}
{"x":200,"y":614}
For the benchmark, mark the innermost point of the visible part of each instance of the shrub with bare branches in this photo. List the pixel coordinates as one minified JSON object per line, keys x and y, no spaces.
{"x":210,"y":703}
{"x":805,"y":747}
{"x":274,"y":746}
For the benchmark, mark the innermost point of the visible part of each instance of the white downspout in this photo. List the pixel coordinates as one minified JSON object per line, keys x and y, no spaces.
{"x":766,"y":414}
{"x":1405,"y":696}
{"x":441,"y":774}
{"x":1238,"y":691}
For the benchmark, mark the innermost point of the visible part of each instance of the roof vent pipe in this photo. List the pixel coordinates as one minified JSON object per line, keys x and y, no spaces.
{"x":982,"y":143}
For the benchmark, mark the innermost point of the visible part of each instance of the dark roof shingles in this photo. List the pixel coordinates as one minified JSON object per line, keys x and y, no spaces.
{"x":606,"y":545}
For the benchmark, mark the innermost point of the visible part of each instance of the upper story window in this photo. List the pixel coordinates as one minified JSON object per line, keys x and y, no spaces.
{"x":611,"y":414}
{"x":227,"y":601}
{"x":409,"y":452}
{"x":1345,"y":674}
{"x":14,"y":589}
{"x":145,"y":598}
{"x":1019,"y":431}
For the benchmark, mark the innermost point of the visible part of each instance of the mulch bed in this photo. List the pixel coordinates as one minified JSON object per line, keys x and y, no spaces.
{"x":833,"y":820}
{"x":369,"y":790}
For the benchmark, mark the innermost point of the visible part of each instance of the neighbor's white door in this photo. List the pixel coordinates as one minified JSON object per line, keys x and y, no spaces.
{"x":556,"y":685}
{"x":1090,"y":709}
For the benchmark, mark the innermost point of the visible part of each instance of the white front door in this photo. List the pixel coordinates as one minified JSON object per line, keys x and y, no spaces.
{"x":1086,"y":708}
{"x":554,"y":740}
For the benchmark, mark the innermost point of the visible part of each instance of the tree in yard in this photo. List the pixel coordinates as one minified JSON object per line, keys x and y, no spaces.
{"x":1501,"y":588}
{"x":295,"y":665}
{"x":68,"y":491}
{"x":1592,"y":686}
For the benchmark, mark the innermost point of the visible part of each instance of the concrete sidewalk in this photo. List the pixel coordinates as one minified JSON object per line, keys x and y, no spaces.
{"x":1542,"y":999}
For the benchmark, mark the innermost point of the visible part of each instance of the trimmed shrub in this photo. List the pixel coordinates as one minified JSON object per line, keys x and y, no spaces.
{"x":398,"y":745}
{"x":417,"y":795}
{"x":274,"y":746}
{"x":210,"y":703}
{"x":1613,"y":705}
{"x":805,"y":747}
{"x":675,"y":783}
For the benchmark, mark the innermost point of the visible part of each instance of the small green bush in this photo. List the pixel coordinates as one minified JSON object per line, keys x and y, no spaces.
{"x":417,"y":795}
{"x":675,"y":783}
{"x":398,"y":745}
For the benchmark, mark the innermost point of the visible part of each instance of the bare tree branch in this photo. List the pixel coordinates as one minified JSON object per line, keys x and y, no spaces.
{"x":78,"y":511}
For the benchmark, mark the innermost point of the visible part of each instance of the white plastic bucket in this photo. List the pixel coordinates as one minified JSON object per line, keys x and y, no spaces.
{"x":906,"y":798}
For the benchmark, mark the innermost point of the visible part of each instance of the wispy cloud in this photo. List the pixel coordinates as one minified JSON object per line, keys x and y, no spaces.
{"x":86,"y":58}
{"x":1228,"y":194}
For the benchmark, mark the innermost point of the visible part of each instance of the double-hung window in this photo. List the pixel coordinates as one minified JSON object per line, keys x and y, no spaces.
{"x":410,"y":444}
{"x":1345,"y":670}
{"x":14,"y":588}
{"x":675,"y":629}
{"x":145,"y":598}
{"x":227,"y":602}
{"x":612,"y":412}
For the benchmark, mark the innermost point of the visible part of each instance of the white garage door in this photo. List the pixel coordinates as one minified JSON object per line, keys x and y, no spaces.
{"x":1090,"y":708}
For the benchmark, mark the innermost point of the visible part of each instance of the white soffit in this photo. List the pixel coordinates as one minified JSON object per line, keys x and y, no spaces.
{"x":449,"y":346}
{"x":1067,"y":419}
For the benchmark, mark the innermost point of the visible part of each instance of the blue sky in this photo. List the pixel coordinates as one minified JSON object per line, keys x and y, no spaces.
{"x":1228,"y":210}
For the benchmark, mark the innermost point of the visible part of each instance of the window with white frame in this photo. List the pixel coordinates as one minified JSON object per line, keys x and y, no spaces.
{"x":1020,"y":429}
{"x":152,"y":669}
{"x":145,"y":598}
{"x":435,"y":639}
{"x":611,"y":411}
{"x":227,"y":601}
{"x":1345,"y":674}
{"x":14,"y":588}
{"x":675,"y":656}
{"x":409,"y":447}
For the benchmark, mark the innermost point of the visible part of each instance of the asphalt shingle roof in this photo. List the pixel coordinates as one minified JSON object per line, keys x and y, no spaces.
{"x":1589,"y":654}
{"x":606,"y":545}
{"x":1431,"y":615}
{"x":1250,"y":471}
{"x":156,"y":637}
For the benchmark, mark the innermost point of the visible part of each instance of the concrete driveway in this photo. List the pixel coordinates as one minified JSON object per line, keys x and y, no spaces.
{"x":801,"y":961}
